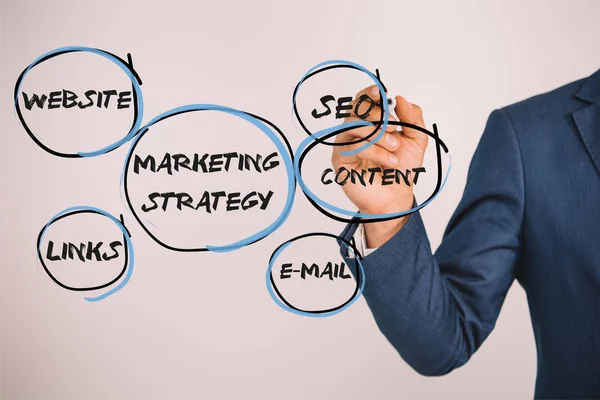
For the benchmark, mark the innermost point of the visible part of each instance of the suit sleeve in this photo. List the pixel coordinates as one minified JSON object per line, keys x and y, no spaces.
{"x":436,"y":310}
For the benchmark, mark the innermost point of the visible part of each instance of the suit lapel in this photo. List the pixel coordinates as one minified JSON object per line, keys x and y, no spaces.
{"x":587,"y":119}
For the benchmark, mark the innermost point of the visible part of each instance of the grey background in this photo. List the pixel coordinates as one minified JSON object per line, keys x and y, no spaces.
{"x":203,"y":325}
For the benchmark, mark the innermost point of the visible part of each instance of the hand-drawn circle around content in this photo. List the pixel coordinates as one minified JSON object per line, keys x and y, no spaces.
{"x":321,"y":205}
{"x":267,"y":127}
{"x":383,"y":121}
{"x":283,"y":303}
{"x":128,"y":265}
{"x":138,"y":103}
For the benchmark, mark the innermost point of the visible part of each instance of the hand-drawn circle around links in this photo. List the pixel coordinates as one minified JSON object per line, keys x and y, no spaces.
{"x":128,"y":265}
{"x":138,"y":103}
{"x":267,"y":127}
{"x":321,"y":205}
{"x":383,"y":121}
{"x":283,"y":303}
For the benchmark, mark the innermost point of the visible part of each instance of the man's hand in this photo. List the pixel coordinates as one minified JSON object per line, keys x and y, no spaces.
{"x":396,"y":149}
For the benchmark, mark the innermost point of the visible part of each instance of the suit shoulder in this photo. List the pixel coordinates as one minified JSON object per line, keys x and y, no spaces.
{"x":541,"y":108}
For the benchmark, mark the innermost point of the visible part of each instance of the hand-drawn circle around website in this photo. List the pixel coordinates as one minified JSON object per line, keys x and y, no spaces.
{"x":137,"y":100}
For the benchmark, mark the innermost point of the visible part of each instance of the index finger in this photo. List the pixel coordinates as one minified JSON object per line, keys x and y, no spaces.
{"x":371,"y":91}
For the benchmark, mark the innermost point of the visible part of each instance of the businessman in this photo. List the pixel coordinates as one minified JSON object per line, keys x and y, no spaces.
{"x":530,"y":211}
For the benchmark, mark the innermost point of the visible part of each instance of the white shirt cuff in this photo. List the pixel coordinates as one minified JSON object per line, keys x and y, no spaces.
{"x":360,"y":242}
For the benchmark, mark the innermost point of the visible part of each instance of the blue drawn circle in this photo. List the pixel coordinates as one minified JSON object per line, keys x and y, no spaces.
{"x":310,"y":139}
{"x":283,"y":151}
{"x":281,"y":304}
{"x":125,"y":235}
{"x":139,"y":101}
{"x":346,"y":125}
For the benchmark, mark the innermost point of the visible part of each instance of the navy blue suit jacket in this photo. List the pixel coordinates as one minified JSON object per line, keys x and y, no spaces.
{"x":530,"y":211}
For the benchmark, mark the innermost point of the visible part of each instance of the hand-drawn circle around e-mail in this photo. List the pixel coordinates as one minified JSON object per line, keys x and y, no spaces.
{"x":280,"y":300}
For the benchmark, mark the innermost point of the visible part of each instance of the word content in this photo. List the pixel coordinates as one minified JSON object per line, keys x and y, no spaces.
{"x":388,"y":176}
